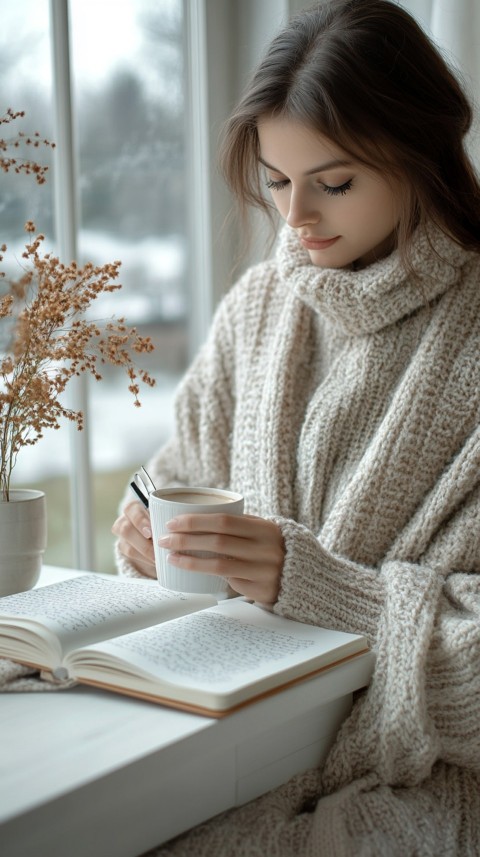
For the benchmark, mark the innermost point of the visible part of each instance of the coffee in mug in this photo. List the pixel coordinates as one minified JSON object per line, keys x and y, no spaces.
{"x":203,"y":497}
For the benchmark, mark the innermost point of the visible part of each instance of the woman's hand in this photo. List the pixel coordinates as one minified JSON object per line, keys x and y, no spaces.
{"x":251,"y":551}
{"x":135,"y":538}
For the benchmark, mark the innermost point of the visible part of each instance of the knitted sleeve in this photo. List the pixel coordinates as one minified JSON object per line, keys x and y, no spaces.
{"x":423,"y":620}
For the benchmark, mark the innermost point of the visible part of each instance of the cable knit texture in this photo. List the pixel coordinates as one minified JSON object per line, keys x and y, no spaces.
{"x":345,"y":406}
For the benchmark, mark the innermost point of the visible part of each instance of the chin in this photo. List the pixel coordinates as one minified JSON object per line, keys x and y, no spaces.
{"x":321,"y":259}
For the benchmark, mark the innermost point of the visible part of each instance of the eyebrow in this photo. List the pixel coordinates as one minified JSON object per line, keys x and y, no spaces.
{"x":322,"y":168}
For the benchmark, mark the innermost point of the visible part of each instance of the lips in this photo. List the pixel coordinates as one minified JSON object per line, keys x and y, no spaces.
{"x":318,"y":243}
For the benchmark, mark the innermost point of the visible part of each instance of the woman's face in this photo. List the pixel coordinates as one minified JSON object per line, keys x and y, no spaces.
{"x":343,"y":212}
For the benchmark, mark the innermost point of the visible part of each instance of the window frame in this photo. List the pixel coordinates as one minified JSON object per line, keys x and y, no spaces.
{"x":219,"y":34}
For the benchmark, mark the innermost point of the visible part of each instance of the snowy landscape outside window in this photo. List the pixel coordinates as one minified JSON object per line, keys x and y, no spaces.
{"x":128,"y":90}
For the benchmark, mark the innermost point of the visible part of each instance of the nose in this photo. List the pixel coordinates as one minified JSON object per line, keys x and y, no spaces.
{"x":301,"y":211}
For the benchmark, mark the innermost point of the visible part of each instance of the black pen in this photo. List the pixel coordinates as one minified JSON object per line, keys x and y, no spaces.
{"x":139,"y":494}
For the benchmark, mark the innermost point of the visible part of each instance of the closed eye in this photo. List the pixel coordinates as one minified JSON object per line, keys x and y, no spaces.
{"x":340,"y":189}
{"x":273,"y":185}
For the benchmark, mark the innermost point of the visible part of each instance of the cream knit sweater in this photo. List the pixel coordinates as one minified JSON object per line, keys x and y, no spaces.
{"x":345,"y":406}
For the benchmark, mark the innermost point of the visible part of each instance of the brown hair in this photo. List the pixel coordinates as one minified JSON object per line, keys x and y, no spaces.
{"x":364,"y":74}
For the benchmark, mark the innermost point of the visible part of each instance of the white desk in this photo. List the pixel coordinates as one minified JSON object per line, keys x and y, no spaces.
{"x":91,"y":774}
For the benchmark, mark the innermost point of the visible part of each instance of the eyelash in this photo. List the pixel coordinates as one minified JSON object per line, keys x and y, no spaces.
{"x":272,"y":185}
{"x":340,"y":190}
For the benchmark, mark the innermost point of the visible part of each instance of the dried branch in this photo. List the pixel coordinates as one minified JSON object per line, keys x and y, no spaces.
{"x":48,"y":339}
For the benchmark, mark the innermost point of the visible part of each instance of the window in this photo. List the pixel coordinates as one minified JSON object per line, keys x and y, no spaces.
{"x":128,"y":84}
{"x":129,"y":108}
{"x":152,"y":82}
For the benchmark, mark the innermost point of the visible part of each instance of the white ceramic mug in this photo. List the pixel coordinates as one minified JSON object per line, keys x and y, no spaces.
{"x":168,"y":503}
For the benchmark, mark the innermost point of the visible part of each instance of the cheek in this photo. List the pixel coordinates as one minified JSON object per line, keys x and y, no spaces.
{"x":379,"y":215}
{"x":387,"y":208}
{"x":281,"y":203}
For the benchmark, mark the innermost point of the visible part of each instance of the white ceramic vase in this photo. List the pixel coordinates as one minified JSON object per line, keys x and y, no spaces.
{"x":23,"y":539}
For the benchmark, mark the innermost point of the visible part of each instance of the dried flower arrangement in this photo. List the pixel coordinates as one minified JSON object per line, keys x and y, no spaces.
{"x":46,"y":339}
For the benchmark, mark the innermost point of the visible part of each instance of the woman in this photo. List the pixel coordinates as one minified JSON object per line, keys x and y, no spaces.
{"x":339,"y":392}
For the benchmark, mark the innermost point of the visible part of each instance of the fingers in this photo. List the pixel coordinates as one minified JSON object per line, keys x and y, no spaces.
{"x":235,"y":525}
{"x":247,"y":550}
{"x":224,"y":545}
{"x":259,"y":584}
{"x":138,"y":516}
{"x":219,"y":532}
{"x":132,"y":528}
{"x":260,"y":581}
{"x":247,"y":538}
{"x":147,"y":569}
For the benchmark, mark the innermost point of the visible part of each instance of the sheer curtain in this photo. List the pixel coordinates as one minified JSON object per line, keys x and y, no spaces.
{"x":454,"y":25}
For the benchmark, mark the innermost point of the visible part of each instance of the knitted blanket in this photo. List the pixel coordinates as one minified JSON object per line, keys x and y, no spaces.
{"x":15,"y":678}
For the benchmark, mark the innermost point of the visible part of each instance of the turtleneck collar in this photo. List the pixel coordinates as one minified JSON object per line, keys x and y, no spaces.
{"x":368,"y":300}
